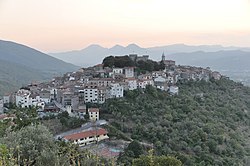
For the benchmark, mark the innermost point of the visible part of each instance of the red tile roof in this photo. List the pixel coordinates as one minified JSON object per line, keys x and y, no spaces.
{"x":85,"y":134}
{"x":93,"y":110}
{"x":6,"y":116}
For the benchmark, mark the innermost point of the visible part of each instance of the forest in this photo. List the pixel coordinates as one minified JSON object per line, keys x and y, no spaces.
{"x":206,"y":124}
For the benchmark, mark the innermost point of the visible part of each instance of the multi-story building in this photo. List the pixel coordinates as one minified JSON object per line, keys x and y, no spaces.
{"x":132,"y":83}
{"x":144,"y":82}
{"x":117,"y":70}
{"x":115,"y":91}
{"x":102,"y":94}
{"x":91,"y":94}
{"x":129,"y":72}
{"x":25,"y":99}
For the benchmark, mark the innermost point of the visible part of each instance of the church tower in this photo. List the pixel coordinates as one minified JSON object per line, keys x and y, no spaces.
{"x":163,"y":58}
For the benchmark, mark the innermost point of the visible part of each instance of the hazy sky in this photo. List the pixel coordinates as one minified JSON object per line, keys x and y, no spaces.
{"x":60,"y":25}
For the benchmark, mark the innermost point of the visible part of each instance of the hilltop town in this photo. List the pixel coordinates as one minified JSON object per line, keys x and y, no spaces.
{"x":74,"y":91}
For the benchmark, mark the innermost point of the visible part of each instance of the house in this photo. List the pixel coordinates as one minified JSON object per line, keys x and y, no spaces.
{"x":81,"y":111}
{"x":117,"y":71}
{"x":129,"y":72}
{"x":25,"y":99}
{"x":67,"y":97}
{"x":84,"y":138}
{"x":7,"y":116}
{"x":93,"y":114}
{"x":45,"y":95}
{"x":115,"y":91}
{"x":161,"y":83}
{"x":1,"y":106}
{"x":132,"y":83}
{"x":174,"y":90}
{"x":144,"y":82}
{"x":22,"y":98}
{"x":51,"y":107}
{"x":6,"y":98}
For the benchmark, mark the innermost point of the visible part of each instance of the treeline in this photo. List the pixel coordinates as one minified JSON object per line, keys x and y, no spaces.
{"x":125,"y":61}
{"x":206,"y":124}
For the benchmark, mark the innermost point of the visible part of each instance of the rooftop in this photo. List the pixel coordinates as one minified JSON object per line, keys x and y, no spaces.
{"x":85,"y":134}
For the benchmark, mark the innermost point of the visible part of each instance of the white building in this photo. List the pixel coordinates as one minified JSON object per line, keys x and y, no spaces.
{"x":1,"y":106}
{"x":93,"y":114}
{"x":102,"y":94}
{"x":25,"y":99}
{"x":129,"y":72}
{"x":132,"y":83}
{"x":144,"y":82}
{"x":115,"y":91}
{"x":6,"y":99}
{"x":84,"y":138}
{"x":117,"y":71}
{"x":91,"y":95}
{"x":174,"y":90}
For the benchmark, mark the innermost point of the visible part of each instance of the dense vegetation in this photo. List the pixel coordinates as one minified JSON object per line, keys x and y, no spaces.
{"x":206,"y":124}
{"x":25,"y":141}
{"x":125,"y":61}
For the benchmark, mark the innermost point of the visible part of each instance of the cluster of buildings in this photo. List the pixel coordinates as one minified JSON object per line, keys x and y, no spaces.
{"x":96,"y":84}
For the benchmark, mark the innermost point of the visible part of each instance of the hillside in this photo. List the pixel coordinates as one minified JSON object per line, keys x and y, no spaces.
{"x":13,"y":76}
{"x":206,"y":124}
{"x":20,"y":65}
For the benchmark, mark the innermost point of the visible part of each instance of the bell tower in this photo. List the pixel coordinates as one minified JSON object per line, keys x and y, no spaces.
{"x":163,"y":58}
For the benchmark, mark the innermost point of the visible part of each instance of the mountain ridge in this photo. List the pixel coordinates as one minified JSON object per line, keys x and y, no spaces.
{"x":20,"y":64}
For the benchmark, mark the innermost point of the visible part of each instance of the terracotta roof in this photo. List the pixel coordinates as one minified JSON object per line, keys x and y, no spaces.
{"x":6,"y":116}
{"x":85,"y":134}
{"x":93,"y":110}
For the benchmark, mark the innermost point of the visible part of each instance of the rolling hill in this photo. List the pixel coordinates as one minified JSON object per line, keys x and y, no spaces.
{"x":20,"y":65}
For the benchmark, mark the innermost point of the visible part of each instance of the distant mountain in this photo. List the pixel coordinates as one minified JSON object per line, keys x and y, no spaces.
{"x":177,"y":48}
{"x":20,"y":65}
{"x":94,"y":54}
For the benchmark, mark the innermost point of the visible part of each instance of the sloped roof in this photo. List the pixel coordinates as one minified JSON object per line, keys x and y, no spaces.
{"x":85,"y":134}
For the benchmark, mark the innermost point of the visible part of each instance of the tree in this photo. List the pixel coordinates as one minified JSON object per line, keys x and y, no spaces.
{"x":32,"y":145}
{"x":151,"y":160}
{"x":109,"y":61}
